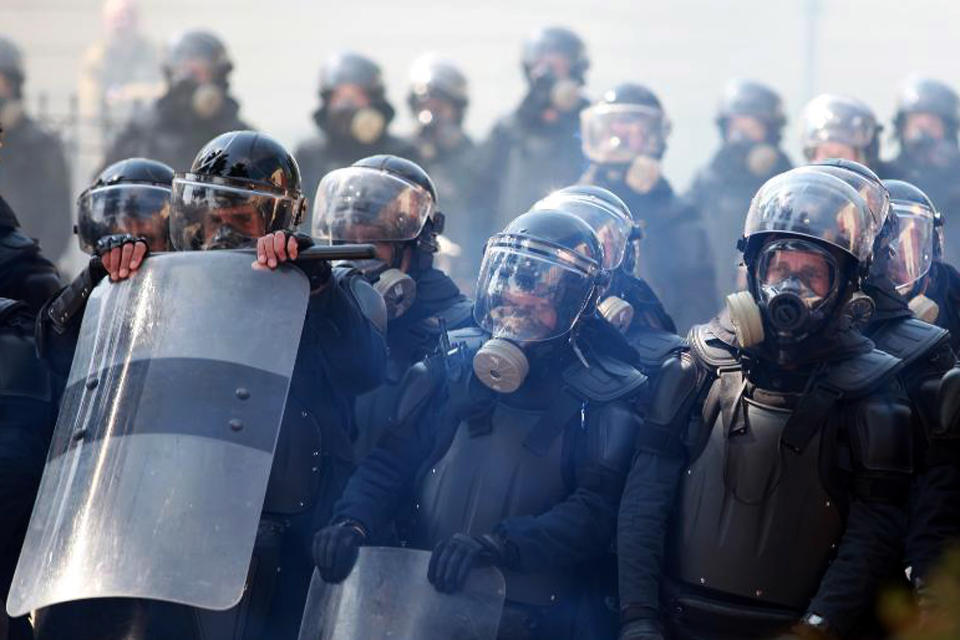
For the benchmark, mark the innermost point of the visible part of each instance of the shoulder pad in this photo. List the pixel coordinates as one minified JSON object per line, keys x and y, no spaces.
{"x":909,"y":340}
{"x":419,"y":384}
{"x":862,"y":373}
{"x":604,"y":380}
{"x":882,"y":441}
{"x":675,"y":385}
{"x":370,"y":302}
{"x":710,"y":350}
{"x":949,"y":401}
{"x":654,"y":346}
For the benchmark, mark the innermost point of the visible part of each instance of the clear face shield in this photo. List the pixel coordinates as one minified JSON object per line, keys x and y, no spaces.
{"x":911,"y":249}
{"x":619,"y":133}
{"x":141,"y":210}
{"x":212,"y":215}
{"x":836,"y":127}
{"x":527,"y":292}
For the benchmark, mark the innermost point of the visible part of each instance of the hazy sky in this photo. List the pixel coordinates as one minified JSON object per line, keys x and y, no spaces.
{"x":684,"y":49}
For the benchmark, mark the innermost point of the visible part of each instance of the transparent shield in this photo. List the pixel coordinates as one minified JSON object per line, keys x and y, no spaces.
{"x":159,"y":461}
{"x":387,"y":596}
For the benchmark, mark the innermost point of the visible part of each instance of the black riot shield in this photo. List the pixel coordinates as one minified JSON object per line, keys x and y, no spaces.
{"x":159,"y":462}
{"x":387,"y":596}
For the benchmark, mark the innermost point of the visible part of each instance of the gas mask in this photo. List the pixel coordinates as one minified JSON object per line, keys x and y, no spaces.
{"x":642,"y":174}
{"x":207,"y":100}
{"x":11,"y":111}
{"x":227,"y":237}
{"x":546,"y":91}
{"x":444,"y":132}
{"x":501,"y":365}
{"x":365,"y":124}
{"x":617,"y":311}
{"x":796,"y":281}
{"x":398,"y":289}
{"x":924,"y":308}
{"x":930,"y":149}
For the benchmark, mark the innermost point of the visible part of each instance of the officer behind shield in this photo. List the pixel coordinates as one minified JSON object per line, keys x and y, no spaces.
{"x":799,"y":451}
{"x":535,"y":149}
{"x":196,"y":106}
{"x":510,"y":450}
{"x":625,"y":136}
{"x":391,"y":202}
{"x":243,"y":190}
{"x":353,"y":119}
{"x":750,"y":119}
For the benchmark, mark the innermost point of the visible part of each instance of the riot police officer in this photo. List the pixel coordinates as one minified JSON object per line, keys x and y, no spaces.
{"x":243,"y":190}
{"x":625,"y":136}
{"x":196,"y":107}
{"x":29,"y":399}
{"x":750,"y":119}
{"x":475,"y":465}
{"x":836,"y":126}
{"x":535,"y":149}
{"x":438,"y":99}
{"x":798,"y":450}
{"x":392,"y":203}
{"x":34,"y":176}
{"x":926,"y":127}
{"x":353,"y":119}
{"x":25,"y":274}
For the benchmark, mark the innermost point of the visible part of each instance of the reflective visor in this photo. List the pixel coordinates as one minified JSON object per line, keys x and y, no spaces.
{"x":362,"y":204}
{"x":816,"y":205}
{"x":528,"y":295}
{"x":611,"y":226}
{"x":141,"y":210}
{"x":208,"y":215}
{"x":911,"y":249}
{"x":618,"y":133}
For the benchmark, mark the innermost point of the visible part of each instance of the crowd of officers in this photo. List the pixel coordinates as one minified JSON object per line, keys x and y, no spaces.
{"x":634,"y":461}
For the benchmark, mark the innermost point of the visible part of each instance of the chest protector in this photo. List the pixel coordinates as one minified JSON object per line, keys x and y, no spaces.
{"x":755,"y":517}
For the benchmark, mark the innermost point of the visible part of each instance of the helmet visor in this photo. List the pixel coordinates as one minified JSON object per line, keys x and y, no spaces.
{"x":208,"y":215}
{"x":610,"y":225}
{"x":359,"y":204}
{"x":911,"y":249}
{"x":815,"y":205}
{"x":141,"y":210}
{"x":618,"y":133}
{"x":838,"y":120}
{"x":874,"y":194}
{"x":526,"y":296}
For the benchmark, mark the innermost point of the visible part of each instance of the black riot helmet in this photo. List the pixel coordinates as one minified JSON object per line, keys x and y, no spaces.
{"x":925,"y":95}
{"x":241,"y":185}
{"x":382,"y":198}
{"x":555,"y":40}
{"x":196,"y":48}
{"x":538,"y":276}
{"x":751,"y":98}
{"x":807,"y":243}
{"x":604,"y":211}
{"x":831,"y":118}
{"x":11,"y":65}
{"x":917,"y":239}
{"x":433,"y":76}
{"x":130,"y":196}
{"x":628,"y":121}
{"x":365,"y":123}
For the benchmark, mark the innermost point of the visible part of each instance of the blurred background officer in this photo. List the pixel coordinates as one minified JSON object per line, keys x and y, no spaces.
{"x":438,"y":99}
{"x":625,"y":136}
{"x":120,"y":72}
{"x":837,"y":126}
{"x":353,"y":118}
{"x":196,"y":107}
{"x":925,"y":126}
{"x":750,"y":119}
{"x":34,"y":178}
{"x":536,"y":149}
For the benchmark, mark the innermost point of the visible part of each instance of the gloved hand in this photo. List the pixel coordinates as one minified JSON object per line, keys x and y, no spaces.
{"x":335,"y":549}
{"x":281,"y":246}
{"x":455,"y":557}
{"x":641,"y":630}
{"x":120,"y":254}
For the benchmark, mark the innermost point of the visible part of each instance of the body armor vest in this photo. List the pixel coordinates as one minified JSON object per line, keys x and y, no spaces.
{"x":487,"y":475}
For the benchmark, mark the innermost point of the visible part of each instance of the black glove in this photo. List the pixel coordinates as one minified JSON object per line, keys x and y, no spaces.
{"x":455,"y":557}
{"x":335,"y":549}
{"x":641,"y":630}
{"x":116,"y":240}
{"x":317,"y":271}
